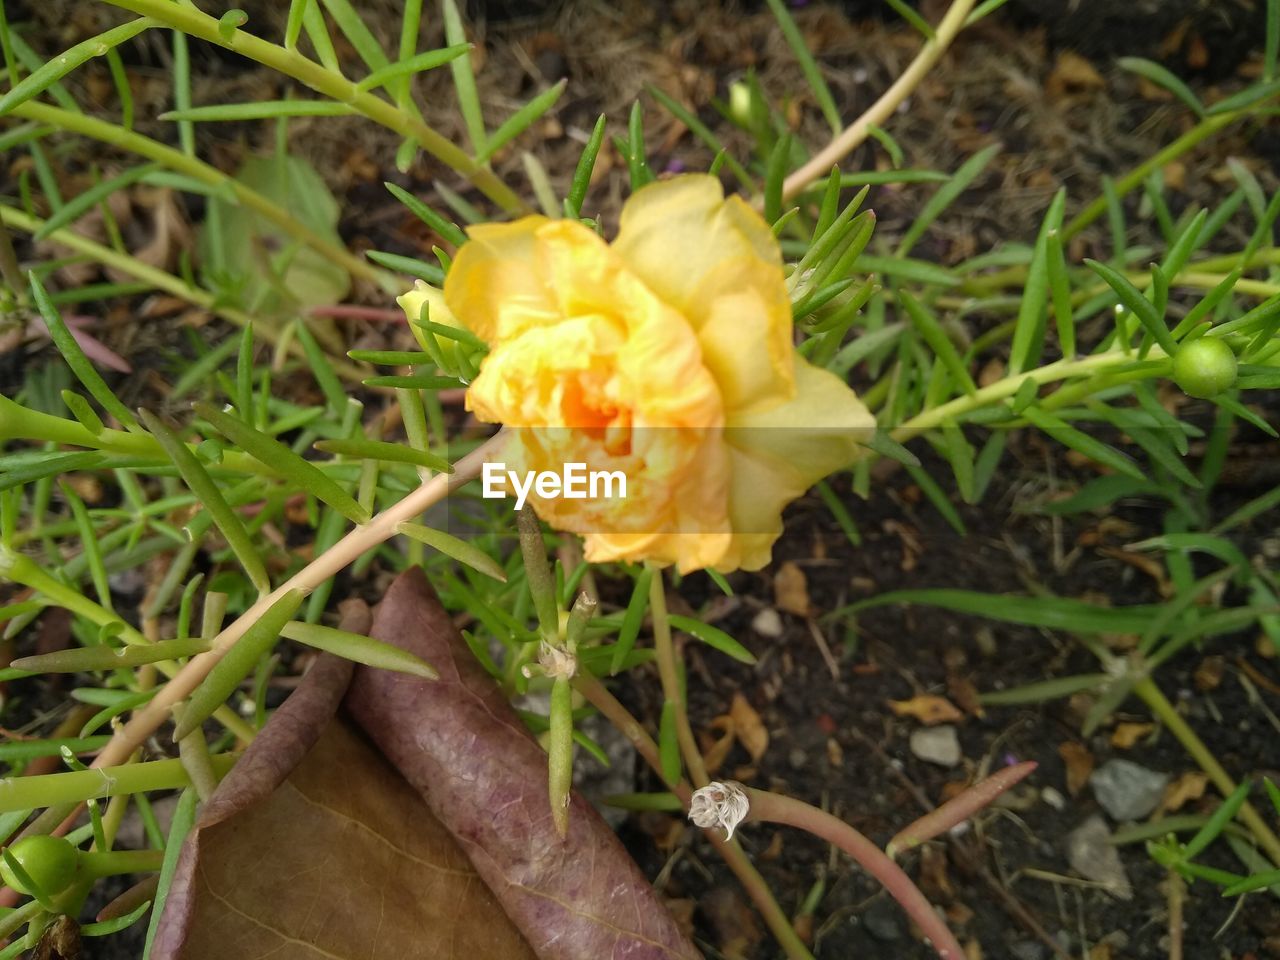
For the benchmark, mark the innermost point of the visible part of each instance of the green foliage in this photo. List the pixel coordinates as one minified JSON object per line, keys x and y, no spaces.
{"x":215,"y":495}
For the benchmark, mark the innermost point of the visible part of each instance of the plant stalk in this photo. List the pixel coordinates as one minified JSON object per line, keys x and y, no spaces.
{"x":672,"y":688}
{"x":167,"y":282}
{"x":333,"y":85}
{"x":354,"y":545}
{"x":1159,"y":704}
{"x":730,"y":851}
{"x":776,"y":808}
{"x":880,"y":111}
{"x":199,"y":170}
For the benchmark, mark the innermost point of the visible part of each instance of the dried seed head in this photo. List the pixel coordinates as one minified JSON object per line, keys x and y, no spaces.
{"x":720,"y":805}
{"x":556,"y":662}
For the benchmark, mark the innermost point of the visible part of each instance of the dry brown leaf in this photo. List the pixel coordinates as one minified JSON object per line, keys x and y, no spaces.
{"x":715,"y":750}
{"x":791,"y":589}
{"x":748,"y":727}
{"x":315,"y":846}
{"x":1190,"y":786}
{"x":1072,"y":73}
{"x":928,"y":708}
{"x":459,"y":743}
{"x":1125,"y":735}
{"x":1079,"y":763}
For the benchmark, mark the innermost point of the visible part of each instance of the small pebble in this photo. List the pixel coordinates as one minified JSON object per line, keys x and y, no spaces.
{"x":883,"y":921}
{"x":768,"y":623}
{"x":938,"y":745}
{"x":1028,"y":950}
{"x":1092,"y":855}
{"x":1127,"y":791}
{"x":1053,"y":798}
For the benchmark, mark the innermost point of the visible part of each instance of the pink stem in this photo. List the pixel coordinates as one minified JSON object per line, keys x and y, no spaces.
{"x":959,"y":808}
{"x":775,"y":808}
{"x":349,"y":311}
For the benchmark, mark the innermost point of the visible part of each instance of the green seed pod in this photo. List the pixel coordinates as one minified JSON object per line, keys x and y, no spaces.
{"x":50,"y":863}
{"x":1204,"y":368}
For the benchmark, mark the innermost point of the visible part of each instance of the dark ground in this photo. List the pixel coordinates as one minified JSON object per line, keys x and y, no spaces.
{"x":833,"y":739}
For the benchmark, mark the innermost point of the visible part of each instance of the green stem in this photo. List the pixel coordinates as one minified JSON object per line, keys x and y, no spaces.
{"x":16,"y":421}
{"x":199,"y":170}
{"x":1159,"y":704}
{"x":333,"y":85}
{"x":12,"y":921}
{"x":112,"y":862}
{"x":1196,"y":135}
{"x":672,"y":688}
{"x":167,"y":282}
{"x":1007,"y":387}
{"x":76,"y":786}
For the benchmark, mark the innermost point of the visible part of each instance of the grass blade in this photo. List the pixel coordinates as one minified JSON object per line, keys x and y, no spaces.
{"x":210,"y":496}
{"x":929,"y":328}
{"x":464,"y":79}
{"x":1142,"y":308}
{"x":1028,"y":332}
{"x":236,"y":664}
{"x":632,"y":620}
{"x":414,"y":65}
{"x":103,"y":657}
{"x":59,"y":66}
{"x":75,"y":357}
{"x":946,"y":195}
{"x":1163,"y":78}
{"x":1081,"y":442}
{"x":271,"y":452}
{"x":1054,"y":613}
{"x":1060,"y":294}
{"x":813,"y":75}
{"x":261,"y":110}
{"x":519,"y":121}
{"x":713,"y":637}
{"x":465,"y":553}
{"x":385,"y":452}
{"x":359,"y":648}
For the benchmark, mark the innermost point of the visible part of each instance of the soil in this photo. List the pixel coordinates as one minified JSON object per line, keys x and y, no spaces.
{"x":1017,"y":79}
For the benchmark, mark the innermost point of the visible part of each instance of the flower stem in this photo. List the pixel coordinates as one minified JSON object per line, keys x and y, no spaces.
{"x":75,"y":786}
{"x":775,"y":808}
{"x":672,"y":688}
{"x":880,"y":111}
{"x":958,"y":808}
{"x":1154,"y":698}
{"x":1008,"y":386}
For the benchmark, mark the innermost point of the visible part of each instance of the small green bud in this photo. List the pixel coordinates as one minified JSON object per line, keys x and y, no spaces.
{"x":740,"y":103}
{"x":50,"y":862}
{"x":1204,"y":367}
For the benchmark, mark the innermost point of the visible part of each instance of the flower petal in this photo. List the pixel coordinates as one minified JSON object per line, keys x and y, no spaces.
{"x":779,"y":453}
{"x":718,"y":263}
{"x":494,"y":286}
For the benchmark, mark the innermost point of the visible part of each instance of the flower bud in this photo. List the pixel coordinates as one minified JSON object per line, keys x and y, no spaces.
{"x":1204,"y":367}
{"x":50,"y":863}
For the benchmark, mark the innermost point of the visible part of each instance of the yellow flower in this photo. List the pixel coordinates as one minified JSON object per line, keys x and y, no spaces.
{"x":667,"y":355}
